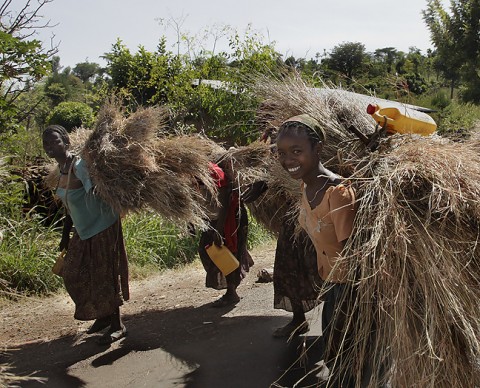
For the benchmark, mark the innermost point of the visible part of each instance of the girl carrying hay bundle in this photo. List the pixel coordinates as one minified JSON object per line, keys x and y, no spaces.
{"x":95,"y":269}
{"x":296,"y":282}
{"x":295,"y":277}
{"x":327,"y":212}
{"x":228,"y":225}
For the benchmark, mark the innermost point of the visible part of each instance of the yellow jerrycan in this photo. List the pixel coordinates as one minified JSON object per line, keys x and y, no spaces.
{"x":222,"y":258}
{"x":402,"y":120}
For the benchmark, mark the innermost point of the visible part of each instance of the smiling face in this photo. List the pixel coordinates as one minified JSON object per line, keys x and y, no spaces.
{"x":297,"y":155}
{"x":54,"y":145}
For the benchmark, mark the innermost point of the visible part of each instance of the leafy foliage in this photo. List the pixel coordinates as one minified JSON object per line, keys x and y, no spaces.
{"x":72,"y":115}
{"x":348,"y":59}
{"x":456,"y":36}
{"x":23,"y":61}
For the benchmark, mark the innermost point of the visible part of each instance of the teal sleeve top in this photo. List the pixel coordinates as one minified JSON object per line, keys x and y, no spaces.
{"x":90,"y":214}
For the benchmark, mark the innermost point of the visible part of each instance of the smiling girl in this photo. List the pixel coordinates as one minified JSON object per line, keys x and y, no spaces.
{"x":327,"y":212}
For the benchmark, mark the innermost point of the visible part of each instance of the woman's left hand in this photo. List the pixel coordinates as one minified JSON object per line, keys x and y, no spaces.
{"x":218,"y":238}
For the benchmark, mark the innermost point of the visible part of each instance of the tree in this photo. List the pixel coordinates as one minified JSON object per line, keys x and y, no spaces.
{"x":456,"y":37}
{"x":86,"y":71}
{"x":347,"y":59}
{"x":23,"y":60}
{"x":387,"y":56}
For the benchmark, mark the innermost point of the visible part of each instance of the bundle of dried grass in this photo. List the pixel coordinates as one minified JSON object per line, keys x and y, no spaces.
{"x":333,"y":108}
{"x":282,"y":99}
{"x":134,"y":168}
{"x":8,"y":379}
{"x":414,"y":254}
{"x":257,"y":162}
{"x":278,"y":201}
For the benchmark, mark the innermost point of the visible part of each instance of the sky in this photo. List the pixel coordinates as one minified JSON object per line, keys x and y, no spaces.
{"x":86,"y":29}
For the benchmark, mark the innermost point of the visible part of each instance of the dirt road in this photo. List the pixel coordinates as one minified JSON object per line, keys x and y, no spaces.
{"x":175,"y":338}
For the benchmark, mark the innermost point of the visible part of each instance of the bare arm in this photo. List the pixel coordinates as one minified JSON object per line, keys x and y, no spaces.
{"x":67,"y":228}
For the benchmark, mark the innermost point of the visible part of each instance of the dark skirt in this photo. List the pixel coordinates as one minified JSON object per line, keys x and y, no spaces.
{"x":95,"y":273}
{"x":215,"y":278}
{"x":296,"y":282}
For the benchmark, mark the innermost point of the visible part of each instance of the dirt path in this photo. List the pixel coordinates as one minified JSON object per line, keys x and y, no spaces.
{"x":175,"y":338}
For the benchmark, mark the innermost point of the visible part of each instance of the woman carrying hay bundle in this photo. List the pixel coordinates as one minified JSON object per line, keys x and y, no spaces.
{"x":327,"y":212}
{"x":228,"y":225}
{"x":95,"y":269}
{"x":295,"y":276}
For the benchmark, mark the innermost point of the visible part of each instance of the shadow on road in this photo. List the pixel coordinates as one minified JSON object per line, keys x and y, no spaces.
{"x":184,"y":347}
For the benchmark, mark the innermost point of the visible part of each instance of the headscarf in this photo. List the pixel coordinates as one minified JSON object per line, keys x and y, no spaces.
{"x":316,"y":131}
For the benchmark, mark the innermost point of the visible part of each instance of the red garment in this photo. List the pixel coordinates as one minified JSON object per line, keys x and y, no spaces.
{"x":230,"y":228}
{"x":217,"y":174}
{"x":231,"y":237}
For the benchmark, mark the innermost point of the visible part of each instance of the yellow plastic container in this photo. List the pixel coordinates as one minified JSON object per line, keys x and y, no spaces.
{"x":403,"y":120}
{"x":222,"y":258}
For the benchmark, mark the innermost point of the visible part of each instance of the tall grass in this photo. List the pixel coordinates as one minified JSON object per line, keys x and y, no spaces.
{"x":458,"y":117}
{"x":28,"y":250}
{"x":27,"y":254}
{"x":451,"y":116}
{"x":257,"y":234}
{"x":154,"y":244}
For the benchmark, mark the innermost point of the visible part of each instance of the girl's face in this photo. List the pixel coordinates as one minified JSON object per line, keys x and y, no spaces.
{"x":297,"y":155}
{"x":53,"y":145}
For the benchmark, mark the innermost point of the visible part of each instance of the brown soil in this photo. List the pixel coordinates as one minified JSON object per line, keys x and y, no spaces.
{"x":175,"y":338}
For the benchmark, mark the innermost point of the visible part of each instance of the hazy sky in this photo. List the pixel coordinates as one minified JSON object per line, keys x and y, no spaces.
{"x":87,"y":29}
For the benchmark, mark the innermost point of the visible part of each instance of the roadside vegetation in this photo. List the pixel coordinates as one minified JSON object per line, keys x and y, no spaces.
{"x":36,"y":90}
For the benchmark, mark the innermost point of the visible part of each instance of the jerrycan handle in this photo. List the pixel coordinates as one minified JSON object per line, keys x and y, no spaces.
{"x":383,"y":120}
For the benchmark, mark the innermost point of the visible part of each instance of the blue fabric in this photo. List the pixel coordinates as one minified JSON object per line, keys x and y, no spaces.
{"x":90,"y":215}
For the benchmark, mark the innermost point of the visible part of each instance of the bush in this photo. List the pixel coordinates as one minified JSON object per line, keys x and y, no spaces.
{"x":27,"y":249}
{"x":441,"y":100}
{"x":457,"y":117}
{"x":72,"y":115}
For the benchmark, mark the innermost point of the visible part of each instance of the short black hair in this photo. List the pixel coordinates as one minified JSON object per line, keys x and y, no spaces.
{"x":57,"y":129}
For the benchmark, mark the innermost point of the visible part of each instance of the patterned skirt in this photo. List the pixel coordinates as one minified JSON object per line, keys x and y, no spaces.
{"x":95,"y":273}
{"x":296,"y":282}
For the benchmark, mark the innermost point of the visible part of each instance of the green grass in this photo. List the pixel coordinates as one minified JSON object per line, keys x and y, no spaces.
{"x":29,"y":249}
{"x":257,"y":234}
{"x":27,"y":254}
{"x":451,"y":116}
{"x":457,"y":117}
{"x":154,"y":244}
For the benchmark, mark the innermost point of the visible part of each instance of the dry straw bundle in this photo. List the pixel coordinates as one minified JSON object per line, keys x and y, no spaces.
{"x":254,"y":163}
{"x":282,"y":99}
{"x":335,"y":110}
{"x":414,"y":253}
{"x":8,"y":379}
{"x":135,"y":165}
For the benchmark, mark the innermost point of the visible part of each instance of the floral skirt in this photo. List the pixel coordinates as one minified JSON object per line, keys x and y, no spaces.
{"x":95,"y":273}
{"x":296,"y":282}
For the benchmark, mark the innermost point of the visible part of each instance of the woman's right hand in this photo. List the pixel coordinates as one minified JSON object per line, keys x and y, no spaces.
{"x":253,"y":191}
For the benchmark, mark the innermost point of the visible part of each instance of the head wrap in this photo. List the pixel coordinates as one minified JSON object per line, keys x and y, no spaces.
{"x":317,"y":131}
